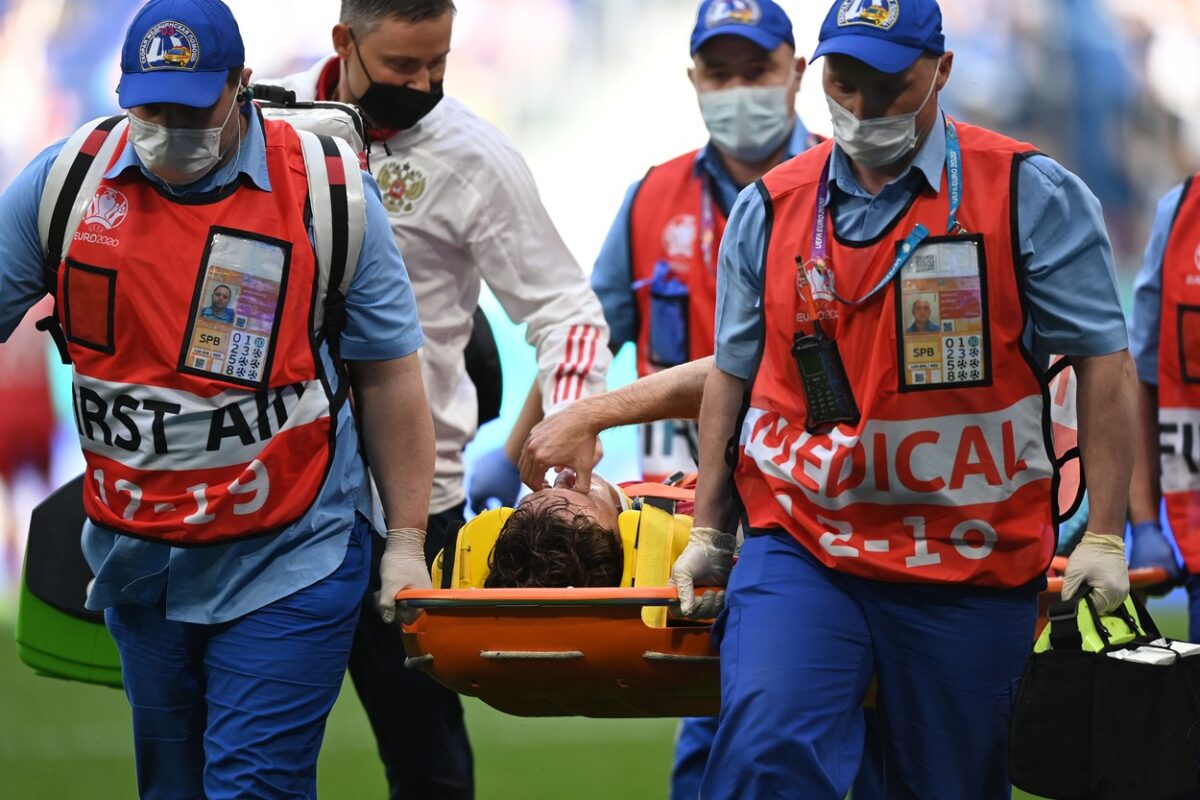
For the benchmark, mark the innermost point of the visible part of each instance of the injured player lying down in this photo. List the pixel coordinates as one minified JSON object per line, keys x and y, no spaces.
{"x":565,"y":533}
{"x":559,"y":537}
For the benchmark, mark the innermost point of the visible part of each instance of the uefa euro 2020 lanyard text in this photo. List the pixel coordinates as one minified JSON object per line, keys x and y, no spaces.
{"x":827,"y":391}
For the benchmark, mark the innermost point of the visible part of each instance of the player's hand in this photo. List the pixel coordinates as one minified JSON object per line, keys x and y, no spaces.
{"x":402,"y":567}
{"x":1098,"y":562}
{"x":1149,"y":547}
{"x":567,"y":438}
{"x":706,"y":560}
{"x":493,"y":478}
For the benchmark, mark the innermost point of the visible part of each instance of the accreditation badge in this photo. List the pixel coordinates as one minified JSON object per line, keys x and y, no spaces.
{"x":941,"y":315}
{"x":236,"y":308}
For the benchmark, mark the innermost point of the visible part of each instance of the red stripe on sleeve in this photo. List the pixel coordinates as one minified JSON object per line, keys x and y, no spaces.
{"x":587,"y":366}
{"x":562,"y":366}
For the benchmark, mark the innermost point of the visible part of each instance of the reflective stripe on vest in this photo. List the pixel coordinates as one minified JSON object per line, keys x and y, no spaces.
{"x":1179,"y":376}
{"x":935,"y":483}
{"x":193,"y":440}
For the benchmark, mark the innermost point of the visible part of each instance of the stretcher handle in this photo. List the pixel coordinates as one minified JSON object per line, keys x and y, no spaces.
{"x":1144,"y":576}
{"x":510,"y":598}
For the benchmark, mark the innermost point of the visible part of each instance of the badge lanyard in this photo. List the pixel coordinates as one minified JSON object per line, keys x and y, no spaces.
{"x":919,"y":233}
{"x":708,"y":226}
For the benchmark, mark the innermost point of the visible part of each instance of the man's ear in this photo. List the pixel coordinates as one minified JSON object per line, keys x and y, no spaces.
{"x":342,"y":43}
{"x":945,"y":67}
{"x":691,"y":73}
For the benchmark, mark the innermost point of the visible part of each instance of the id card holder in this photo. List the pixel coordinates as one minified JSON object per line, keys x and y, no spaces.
{"x":827,"y":395}
{"x":236,"y":309}
{"x":942,"y":326}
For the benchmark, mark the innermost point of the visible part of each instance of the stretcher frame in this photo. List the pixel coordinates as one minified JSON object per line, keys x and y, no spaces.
{"x":586,"y":652}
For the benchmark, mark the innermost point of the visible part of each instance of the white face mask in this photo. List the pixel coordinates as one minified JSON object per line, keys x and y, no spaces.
{"x":178,"y":155}
{"x":748,"y":123}
{"x":876,"y":142}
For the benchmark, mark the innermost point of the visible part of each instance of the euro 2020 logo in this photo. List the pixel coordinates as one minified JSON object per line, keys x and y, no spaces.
{"x":108,"y":209}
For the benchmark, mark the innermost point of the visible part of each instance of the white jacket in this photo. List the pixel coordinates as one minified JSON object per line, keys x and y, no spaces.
{"x":464,"y":207}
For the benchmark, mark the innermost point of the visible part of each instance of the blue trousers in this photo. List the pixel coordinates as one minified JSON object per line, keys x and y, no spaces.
{"x":799,"y":644}
{"x":693,"y":743}
{"x":238,"y":709}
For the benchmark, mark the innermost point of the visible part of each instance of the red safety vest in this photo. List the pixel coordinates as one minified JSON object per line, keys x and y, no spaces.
{"x":937,"y":482}
{"x":667,"y":223}
{"x":199,"y":424}
{"x":1179,"y":377}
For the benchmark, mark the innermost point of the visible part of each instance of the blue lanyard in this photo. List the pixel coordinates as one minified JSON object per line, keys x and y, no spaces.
{"x":708,"y":225}
{"x":919,"y":233}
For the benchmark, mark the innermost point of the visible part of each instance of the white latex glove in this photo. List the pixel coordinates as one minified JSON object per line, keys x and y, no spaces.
{"x":707,"y":558}
{"x":402,"y":567}
{"x":1098,"y":562}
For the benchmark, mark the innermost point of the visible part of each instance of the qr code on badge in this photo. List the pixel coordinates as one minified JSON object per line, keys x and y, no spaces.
{"x":198,"y":363}
{"x":924,"y":262}
{"x":919,"y":377}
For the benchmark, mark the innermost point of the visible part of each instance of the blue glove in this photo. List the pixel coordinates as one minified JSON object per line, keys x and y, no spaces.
{"x":494,"y":478}
{"x":1149,"y":548}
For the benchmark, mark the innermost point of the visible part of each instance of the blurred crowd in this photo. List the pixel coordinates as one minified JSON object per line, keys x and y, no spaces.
{"x":592,"y":90}
{"x":1109,"y":87}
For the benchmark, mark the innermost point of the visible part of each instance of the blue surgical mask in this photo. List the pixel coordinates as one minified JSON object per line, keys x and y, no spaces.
{"x":748,"y":123}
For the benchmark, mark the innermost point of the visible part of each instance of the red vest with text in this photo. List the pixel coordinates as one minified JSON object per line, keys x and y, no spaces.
{"x":184,"y":446}
{"x":1179,"y":377}
{"x":667,"y":224}
{"x":936,"y":483}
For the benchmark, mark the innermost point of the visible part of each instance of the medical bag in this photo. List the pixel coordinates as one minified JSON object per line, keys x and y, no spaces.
{"x":56,"y":635}
{"x":1108,"y":709}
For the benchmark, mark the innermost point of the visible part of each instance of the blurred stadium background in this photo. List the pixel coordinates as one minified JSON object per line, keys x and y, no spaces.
{"x":593,"y":92}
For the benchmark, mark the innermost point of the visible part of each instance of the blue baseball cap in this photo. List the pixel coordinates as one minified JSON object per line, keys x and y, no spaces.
{"x":887,"y":35}
{"x":761,"y":21}
{"x":179,"y":51}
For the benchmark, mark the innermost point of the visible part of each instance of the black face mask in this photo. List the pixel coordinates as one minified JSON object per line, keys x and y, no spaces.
{"x":394,"y":107}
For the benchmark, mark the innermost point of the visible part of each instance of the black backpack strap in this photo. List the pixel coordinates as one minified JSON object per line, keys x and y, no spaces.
{"x":73,"y":178}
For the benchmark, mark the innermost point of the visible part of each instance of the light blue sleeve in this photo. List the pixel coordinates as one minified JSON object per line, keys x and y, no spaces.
{"x":21,"y":282}
{"x":739,"y":285}
{"x":1070,"y":278}
{"x":1147,"y":291}
{"x":612,"y":277}
{"x":381,"y":313}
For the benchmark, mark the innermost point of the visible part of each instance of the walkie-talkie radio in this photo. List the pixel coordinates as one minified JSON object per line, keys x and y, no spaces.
{"x":823,"y":377}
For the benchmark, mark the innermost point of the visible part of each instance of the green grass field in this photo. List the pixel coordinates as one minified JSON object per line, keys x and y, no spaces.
{"x":62,"y":740}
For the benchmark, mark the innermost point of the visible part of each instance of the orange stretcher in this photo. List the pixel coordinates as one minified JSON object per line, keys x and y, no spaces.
{"x":585,"y":652}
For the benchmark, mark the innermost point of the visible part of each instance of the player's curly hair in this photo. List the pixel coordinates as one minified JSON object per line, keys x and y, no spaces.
{"x":548,"y":545}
